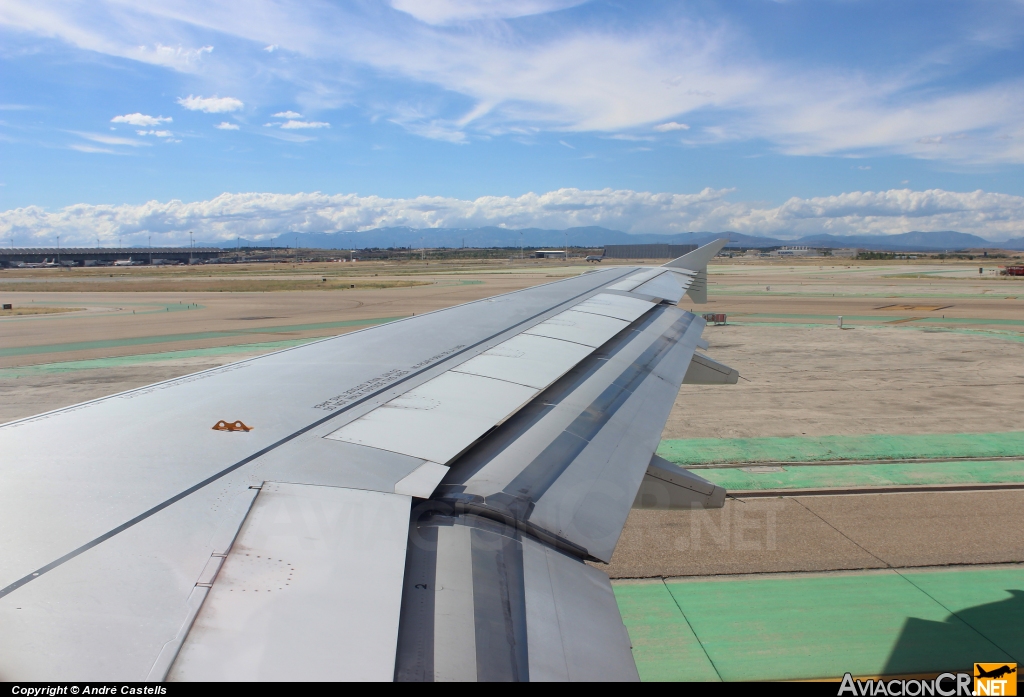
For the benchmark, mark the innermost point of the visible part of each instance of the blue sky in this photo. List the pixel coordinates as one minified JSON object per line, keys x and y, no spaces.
{"x":125,"y":119}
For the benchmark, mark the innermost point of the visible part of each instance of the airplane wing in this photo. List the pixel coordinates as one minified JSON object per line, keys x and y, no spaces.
{"x":414,"y":501}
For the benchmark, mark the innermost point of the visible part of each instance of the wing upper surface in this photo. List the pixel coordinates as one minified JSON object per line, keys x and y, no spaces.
{"x":572,"y":380}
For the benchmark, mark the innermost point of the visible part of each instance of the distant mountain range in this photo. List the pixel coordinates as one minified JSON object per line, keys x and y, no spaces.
{"x":415,"y":238}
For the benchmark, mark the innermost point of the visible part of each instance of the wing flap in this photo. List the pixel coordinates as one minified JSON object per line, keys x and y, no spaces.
{"x":483,"y":601}
{"x":311,"y":590}
{"x":574,"y":629}
{"x":704,"y":371}
{"x":570,"y":462}
{"x":667,"y":486}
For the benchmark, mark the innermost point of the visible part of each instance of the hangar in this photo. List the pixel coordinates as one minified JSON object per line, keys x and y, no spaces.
{"x":79,"y":255}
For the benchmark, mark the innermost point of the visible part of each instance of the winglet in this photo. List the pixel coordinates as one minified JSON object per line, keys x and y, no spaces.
{"x":697,"y":260}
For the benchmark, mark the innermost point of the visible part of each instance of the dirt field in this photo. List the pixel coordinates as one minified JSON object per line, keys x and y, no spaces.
{"x":126,"y":333}
{"x":925,"y":348}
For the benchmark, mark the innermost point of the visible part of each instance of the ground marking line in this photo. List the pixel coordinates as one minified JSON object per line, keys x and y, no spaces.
{"x":687,"y":620}
{"x":815,"y":514}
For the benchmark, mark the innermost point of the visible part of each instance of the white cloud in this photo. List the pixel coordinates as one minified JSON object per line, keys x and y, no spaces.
{"x":141,"y":120}
{"x":178,"y":57}
{"x":227,"y":126}
{"x":288,"y":115}
{"x":578,"y":74}
{"x":449,"y":11}
{"x":293,"y":124}
{"x":671,"y":126}
{"x":110,"y":140}
{"x":158,"y":134}
{"x":270,"y":49}
{"x":92,"y":149}
{"x":260,"y":216}
{"x":211,"y":105}
{"x":571,"y":147}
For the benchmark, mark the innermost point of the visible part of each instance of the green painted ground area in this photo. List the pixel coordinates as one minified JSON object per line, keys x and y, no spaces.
{"x":703,"y":451}
{"x":123,"y":361}
{"x":821,"y":626}
{"x":169,"y":338}
{"x":895,"y":474}
{"x":1010,"y":292}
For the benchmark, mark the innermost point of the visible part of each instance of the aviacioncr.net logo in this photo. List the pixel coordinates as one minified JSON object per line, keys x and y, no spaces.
{"x":945,"y":685}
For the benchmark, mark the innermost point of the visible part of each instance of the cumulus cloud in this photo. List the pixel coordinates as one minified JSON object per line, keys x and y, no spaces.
{"x":293,"y":124}
{"x":211,"y":105}
{"x":260,"y":216}
{"x":671,"y":126}
{"x":288,"y":115}
{"x":227,"y":126}
{"x":141,"y":120}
